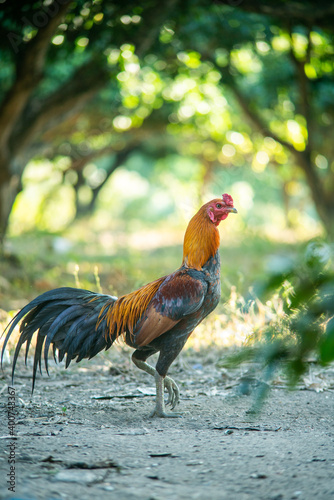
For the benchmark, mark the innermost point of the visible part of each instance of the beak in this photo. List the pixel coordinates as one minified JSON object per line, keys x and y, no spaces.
{"x":233,"y":210}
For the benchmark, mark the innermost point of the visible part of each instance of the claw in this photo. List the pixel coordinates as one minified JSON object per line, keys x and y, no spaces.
{"x":173,"y":392}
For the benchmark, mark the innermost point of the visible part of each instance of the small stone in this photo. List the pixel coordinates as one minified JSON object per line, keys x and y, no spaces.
{"x":195,"y":462}
{"x":108,"y":487}
{"x":76,"y":476}
{"x":258,"y":476}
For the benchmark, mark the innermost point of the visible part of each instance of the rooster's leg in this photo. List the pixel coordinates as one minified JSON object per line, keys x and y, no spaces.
{"x":169,"y":384}
{"x":159,"y":410}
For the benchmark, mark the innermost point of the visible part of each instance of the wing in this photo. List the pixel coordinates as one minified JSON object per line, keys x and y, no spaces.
{"x":178,"y":296}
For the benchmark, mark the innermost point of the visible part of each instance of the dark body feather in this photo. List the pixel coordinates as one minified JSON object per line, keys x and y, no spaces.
{"x":199,"y":300}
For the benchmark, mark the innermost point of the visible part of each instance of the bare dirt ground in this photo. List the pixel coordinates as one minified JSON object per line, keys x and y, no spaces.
{"x":87,"y":432}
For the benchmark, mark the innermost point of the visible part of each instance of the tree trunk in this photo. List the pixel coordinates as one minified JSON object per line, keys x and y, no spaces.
{"x":120,"y":158}
{"x":326,"y":214}
{"x":324,"y":203}
{"x":10,"y":186}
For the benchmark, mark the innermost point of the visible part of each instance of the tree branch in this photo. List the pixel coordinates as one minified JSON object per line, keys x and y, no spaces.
{"x":320,"y":14}
{"x":79,"y":160}
{"x":121,"y":157}
{"x":30,"y":64}
{"x":256,"y":119}
{"x":64,"y":102}
{"x":303,"y":158}
{"x":154,"y":20}
{"x":78,"y":165}
{"x":304,"y":94}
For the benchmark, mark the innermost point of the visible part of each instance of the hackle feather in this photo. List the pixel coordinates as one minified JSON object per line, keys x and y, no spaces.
{"x":201,"y":240}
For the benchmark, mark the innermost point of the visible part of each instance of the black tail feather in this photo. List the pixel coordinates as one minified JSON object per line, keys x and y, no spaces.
{"x":54,"y":352}
{"x":17,"y":350}
{"x":37,"y":360}
{"x":27,"y":351}
{"x":66,"y":318}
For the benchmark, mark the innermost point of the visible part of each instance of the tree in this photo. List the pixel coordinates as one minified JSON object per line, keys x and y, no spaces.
{"x":59,"y":56}
{"x":295,"y":47}
{"x":277,"y":71}
{"x":100,"y":78}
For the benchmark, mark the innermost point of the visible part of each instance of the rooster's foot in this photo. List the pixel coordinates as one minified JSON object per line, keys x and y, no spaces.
{"x":173,"y":392}
{"x":162,"y":414}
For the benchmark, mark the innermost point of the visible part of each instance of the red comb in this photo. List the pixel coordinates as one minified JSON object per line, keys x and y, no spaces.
{"x":228,"y":199}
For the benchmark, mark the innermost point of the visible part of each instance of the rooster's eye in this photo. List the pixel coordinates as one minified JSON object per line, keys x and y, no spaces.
{"x":219,"y":205}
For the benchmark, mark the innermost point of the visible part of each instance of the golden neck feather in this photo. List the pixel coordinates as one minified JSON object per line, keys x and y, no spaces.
{"x":201,"y":240}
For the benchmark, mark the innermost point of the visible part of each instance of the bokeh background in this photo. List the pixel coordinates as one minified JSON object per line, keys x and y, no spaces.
{"x":118,"y":119}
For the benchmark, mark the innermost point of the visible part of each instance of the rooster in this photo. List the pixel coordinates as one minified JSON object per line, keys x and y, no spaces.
{"x":158,"y":317}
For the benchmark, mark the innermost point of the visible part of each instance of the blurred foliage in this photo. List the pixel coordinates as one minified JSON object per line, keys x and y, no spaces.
{"x":299,"y":302}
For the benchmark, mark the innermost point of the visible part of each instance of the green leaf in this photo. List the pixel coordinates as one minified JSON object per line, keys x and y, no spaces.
{"x":327,"y":344}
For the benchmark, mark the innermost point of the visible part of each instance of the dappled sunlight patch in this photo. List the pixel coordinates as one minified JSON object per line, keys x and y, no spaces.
{"x":240,"y":324}
{"x":218,"y":331}
{"x":306,"y":229}
{"x":5,"y":318}
{"x":149,"y":240}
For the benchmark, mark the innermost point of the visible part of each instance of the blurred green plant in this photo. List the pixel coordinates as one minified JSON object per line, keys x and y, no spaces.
{"x":307,"y":326}
{"x":291,"y":317}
